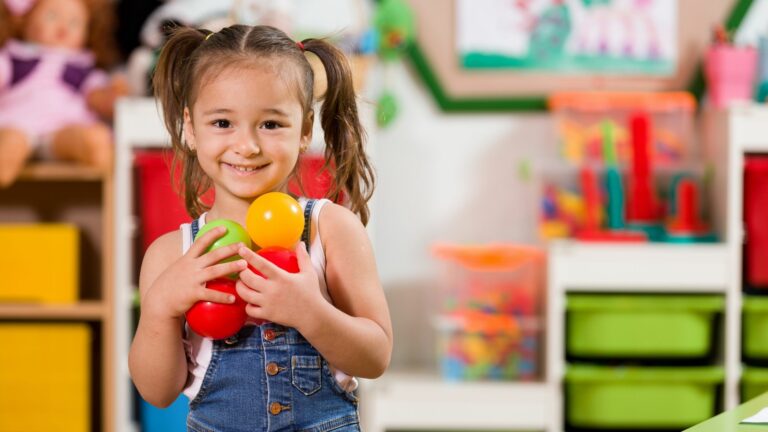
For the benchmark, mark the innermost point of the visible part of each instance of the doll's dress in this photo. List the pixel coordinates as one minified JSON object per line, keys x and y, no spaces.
{"x":42,"y":89}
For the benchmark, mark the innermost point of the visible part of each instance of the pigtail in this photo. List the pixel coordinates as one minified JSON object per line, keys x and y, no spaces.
{"x":344,"y":135}
{"x":172,"y":84}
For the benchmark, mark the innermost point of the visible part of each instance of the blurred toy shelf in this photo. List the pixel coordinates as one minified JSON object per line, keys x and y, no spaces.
{"x":66,"y":210}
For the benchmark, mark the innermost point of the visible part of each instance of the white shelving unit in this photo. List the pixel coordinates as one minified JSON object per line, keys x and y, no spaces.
{"x":138,"y":124}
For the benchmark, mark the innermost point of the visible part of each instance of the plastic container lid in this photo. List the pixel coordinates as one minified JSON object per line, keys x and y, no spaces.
{"x":661,"y":302}
{"x":588,"y":373}
{"x":490,"y":257}
{"x":603,"y":101}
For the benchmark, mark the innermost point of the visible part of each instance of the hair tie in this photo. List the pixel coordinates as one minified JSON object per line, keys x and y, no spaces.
{"x":19,"y":7}
{"x":300,"y":44}
{"x":207,"y":36}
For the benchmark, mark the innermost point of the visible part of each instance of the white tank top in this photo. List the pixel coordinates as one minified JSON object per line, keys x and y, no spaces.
{"x":199,"y":349}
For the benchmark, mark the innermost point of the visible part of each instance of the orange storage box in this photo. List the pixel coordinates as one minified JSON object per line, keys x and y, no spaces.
{"x":40,"y":263}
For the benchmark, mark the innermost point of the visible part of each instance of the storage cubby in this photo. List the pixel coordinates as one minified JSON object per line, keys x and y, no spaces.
{"x":61,"y":209}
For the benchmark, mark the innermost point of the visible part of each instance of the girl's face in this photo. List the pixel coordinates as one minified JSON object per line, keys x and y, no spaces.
{"x":58,"y":23}
{"x":247,"y":128}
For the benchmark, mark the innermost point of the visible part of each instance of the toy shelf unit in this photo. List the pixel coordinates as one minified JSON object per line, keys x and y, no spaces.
{"x":656,"y":310}
{"x":738,"y":137}
{"x":56,"y":229}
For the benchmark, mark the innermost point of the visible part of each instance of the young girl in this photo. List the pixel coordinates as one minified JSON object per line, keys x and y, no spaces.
{"x":238,"y":105}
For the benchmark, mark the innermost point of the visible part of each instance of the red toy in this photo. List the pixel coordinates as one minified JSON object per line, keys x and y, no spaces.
{"x":218,"y":320}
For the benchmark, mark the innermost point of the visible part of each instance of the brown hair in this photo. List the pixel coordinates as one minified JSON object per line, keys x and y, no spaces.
{"x":190,"y":55}
{"x":100,"y":38}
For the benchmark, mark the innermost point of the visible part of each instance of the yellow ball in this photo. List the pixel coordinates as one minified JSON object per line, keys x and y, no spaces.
{"x":275,"y":219}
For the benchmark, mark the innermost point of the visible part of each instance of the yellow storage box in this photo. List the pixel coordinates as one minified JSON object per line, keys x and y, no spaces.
{"x":45,"y":377}
{"x":40,"y":263}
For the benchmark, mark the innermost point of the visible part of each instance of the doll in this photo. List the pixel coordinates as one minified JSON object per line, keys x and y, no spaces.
{"x":53,"y":99}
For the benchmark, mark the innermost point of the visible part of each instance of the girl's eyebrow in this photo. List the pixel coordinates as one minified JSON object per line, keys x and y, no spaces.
{"x":218,"y":111}
{"x":275,"y":111}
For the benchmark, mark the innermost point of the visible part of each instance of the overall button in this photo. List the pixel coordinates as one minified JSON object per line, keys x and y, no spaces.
{"x":269,"y":335}
{"x":275,"y":408}
{"x":231,"y":340}
{"x":273,"y":369}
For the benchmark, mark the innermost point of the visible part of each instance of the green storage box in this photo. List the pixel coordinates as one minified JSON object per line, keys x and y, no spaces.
{"x":640,"y":397}
{"x":754,"y":382}
{"x":756,"y":327}
{"x":641,"y":326}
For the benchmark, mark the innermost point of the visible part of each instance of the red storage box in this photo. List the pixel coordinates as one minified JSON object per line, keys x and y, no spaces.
{"x":756,"y":220}
{"x":316,"y":181}
{"x":160,"y":208}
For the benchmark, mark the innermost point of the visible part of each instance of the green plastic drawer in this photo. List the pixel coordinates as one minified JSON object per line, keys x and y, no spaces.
{"x":756,"y":327}
{"x":754,"y":382}
{"x":641,"y":326}
{"x":640,"y":398}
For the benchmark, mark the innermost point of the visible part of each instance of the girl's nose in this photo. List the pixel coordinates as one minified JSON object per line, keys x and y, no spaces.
{"x":247,"y":146}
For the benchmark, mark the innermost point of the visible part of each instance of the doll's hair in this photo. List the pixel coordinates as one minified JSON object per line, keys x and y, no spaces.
{"x":100,"y":38}
{"x":191,"y":56}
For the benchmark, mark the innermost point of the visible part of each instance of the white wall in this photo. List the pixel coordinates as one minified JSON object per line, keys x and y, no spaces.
{"x":450,"y":178}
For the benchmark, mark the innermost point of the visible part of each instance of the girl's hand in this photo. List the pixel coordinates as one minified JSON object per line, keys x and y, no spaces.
{"x":281,"y":297}
{"x":183,"y":283}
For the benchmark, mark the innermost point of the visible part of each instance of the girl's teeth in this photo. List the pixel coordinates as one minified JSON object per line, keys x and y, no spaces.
{"x":243,"y":169}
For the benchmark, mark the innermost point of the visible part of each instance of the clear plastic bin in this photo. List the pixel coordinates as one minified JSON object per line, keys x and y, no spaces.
{"x":477,"y":346}
{"x":494,"y":279}
{"x":581,"y":117}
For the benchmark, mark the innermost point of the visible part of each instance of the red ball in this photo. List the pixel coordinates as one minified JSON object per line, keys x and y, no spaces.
{"x":281,"y":257}
{"x":218,"y":320}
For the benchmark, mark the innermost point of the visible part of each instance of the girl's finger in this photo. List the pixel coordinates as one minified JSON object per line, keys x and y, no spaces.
{"x":206,"y":294}
{"x":202,"y":243}
{"x":222,"y":270}
{"x":248,"y":295}
{"x":251,"y":279}
{"x":255,"y":311}
{"x":219,"y":254}
{"x":305,"y":262}
{"x":259,"y":263}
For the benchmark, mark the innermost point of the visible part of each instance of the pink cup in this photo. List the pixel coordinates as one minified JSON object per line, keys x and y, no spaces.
{"x":730,"y":73}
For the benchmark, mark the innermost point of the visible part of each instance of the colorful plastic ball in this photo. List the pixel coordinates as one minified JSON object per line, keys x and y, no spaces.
{"x":218,"y":320}
{"x":275,"y":219}
{"x":281,"y":257}
{"x":235,"y":233}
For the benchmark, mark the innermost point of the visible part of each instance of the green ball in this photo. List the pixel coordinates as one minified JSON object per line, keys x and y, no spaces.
{"x":235,"y":233}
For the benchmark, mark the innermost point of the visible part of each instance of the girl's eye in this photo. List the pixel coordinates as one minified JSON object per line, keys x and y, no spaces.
{"x":223,"y":124}
{"x":270,"y":125}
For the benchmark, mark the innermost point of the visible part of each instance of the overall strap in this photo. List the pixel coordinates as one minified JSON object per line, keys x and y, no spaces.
{"x":307,"y":222}
{"x":195,"y":227}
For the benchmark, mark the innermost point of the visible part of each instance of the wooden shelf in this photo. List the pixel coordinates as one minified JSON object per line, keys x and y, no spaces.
{"x":47,"y":171}
{"x":85,"y":310}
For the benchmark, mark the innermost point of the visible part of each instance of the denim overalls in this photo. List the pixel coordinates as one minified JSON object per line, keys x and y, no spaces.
{"x":269,"y":378}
